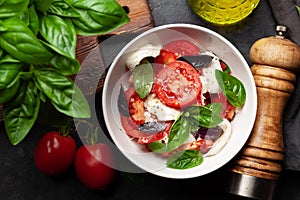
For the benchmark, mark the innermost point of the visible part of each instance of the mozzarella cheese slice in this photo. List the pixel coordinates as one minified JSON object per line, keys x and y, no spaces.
{"x":208,"y":78}
{"x":135,"y":57}
{"x":163,"y":113}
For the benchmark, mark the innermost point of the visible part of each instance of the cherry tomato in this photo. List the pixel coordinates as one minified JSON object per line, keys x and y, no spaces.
{"x":165,"y":57}
{"x":54,"y":153}
{"x":178,"y":84}
{"x":94,"y":165}
{"x":182,"y":48}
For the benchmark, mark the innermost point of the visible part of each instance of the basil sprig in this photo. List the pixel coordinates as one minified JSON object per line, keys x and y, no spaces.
{"x":143,"y":78}
{"x":185,"y":159}
{"x":232,"y":88}
{"x":189,"y":121}
{"x":37,"y":55}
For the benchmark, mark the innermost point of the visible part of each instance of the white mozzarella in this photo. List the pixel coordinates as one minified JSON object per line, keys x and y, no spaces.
{"x":222,"y":141}
{"x":163,"y":113}
{"x":135,"y":57}
{"x":208,"y":78}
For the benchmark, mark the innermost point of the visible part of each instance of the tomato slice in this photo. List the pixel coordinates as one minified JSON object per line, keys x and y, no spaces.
{"x":131,"y":129}
{"x":178,"y":84}
{"x":182,"y":48}
{"x":165,"y":57}
{"x":136,"y":108}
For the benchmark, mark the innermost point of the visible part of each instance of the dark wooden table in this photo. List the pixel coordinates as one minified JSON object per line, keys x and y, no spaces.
{"x":20,"y":180}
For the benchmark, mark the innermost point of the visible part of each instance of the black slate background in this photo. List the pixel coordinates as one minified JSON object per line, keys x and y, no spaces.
{"x":19,"y":179}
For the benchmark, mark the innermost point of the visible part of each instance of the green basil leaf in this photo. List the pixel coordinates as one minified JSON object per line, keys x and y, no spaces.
{"x":205,"y":116}
{"x":63,"y":8}
{"x":9,"y":91}
{"x":21,"y":43}
{"x":98,"y":17}
{"x":179,"y":133}
{"x":232,"y":88}
{"x":2,"y":27}
{"x":2,"y":53}
{"x":157,"y":147}
{"x":65,"y":96}
{"x":21,"y":113}
{"x":143,"y":78}
{"x":215,"y":108}
{"x":60,"y":33}
{"x":185,"y":159}
{"x":9,"y":69}
{"x":65,"y":65}
{"x":10,"y":8}
{"x":298,"y":9}
{"x":24,"y":16}
{"x":42,"y":5}
{"x":33,"y":20}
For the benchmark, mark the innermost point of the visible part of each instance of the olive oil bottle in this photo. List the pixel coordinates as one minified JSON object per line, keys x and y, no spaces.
{"x":223,"y":12}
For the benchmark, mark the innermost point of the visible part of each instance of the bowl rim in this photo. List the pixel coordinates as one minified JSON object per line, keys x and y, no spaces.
{"x":251,"y":121}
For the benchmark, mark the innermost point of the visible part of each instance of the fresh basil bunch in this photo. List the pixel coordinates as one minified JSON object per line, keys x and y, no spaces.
{"x":37,"y":56}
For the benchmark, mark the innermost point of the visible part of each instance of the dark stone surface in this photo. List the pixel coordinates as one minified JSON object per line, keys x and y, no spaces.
{"x":20,"y":180}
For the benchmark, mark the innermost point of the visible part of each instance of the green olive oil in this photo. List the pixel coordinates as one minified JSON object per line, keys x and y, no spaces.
{"x":223,"y":12}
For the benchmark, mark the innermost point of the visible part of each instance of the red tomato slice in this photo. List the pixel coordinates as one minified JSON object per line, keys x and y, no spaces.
{"x":131,"y":129}
{"x":178,"y":84}
{"x":136,"y":108}
{"x":165,"y":57}
{"x":182,"y":48}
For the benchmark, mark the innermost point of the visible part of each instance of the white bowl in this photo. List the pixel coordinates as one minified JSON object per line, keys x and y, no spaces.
{"x":211,"y":41}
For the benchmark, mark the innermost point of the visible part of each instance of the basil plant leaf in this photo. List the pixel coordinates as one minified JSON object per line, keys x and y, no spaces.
{"x":298,"y":9}
{"x":33,"y":20}
{"x":179,"y":133}
{"x":143,"y":78}
{"x":8,"y":92}
{"x":9,"y":69}
{"x":157,"y":147}
{"x":21,"y":113}
{"x":232,"y":88}
{"x":63,"y":93}
{"x":185,"y":159}
{"x":65,"y":65}
{"x":197,"y":61}
{"x":42,"y":5}
{"x":98,"y":17}
{"x":63,"y":8}
{"x":19,"y":41}
{"x":207,"y":116}
{"x":10,"y":8}
{"x":2,"y":27}
{"x":60,"y":33}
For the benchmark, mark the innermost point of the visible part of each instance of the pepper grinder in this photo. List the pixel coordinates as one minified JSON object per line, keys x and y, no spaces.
{"x":256,"y":169}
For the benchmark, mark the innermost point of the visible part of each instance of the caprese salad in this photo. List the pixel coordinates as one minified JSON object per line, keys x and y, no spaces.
{"x":180,"y":102}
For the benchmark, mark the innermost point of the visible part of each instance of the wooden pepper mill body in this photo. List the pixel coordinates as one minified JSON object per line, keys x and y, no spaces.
{"x":258,"y":166}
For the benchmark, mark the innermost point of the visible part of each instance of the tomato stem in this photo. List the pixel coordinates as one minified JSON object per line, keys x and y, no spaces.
{"x":67,"y":129}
